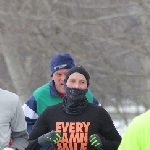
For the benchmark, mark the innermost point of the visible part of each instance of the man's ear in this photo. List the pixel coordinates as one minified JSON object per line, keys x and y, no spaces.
{"x":52,"y":77}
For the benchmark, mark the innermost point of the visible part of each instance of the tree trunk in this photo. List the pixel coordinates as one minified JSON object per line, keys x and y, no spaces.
{"x":14,"y":66}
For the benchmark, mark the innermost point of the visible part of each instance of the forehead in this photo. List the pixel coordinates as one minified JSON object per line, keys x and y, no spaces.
{"x":77,"y":76}
{"x":61,"y":71}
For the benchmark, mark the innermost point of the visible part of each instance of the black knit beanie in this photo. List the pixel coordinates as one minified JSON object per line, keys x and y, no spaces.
{"x":80,"y":70}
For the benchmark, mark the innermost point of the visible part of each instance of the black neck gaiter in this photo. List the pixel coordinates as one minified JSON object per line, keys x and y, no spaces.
{"x":75,"y":101}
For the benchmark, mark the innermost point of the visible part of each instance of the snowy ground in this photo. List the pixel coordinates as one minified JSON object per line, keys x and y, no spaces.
{"x":120,"y":125}
{"x":130,"y":109}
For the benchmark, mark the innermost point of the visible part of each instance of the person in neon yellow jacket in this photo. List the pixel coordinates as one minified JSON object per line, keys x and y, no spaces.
{"x":137,"y":135}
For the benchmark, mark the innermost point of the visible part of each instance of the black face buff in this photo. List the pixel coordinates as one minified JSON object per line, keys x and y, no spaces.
{"x":75,"y":94}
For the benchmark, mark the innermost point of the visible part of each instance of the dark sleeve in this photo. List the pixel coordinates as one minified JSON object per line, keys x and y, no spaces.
{"x":40,"y":127}
{"x":33,"y":145}
{"x":19,"y":139}
{"x":109,"y":135}
{"x":30,"y":112}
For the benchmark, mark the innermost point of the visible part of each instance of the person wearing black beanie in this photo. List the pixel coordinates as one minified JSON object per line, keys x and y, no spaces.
{"x":80,"y":70}
{"x":75,"y":124}
{"x":76,"y":86}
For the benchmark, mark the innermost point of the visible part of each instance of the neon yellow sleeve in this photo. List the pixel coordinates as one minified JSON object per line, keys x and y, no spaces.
{"x":132,"y":137}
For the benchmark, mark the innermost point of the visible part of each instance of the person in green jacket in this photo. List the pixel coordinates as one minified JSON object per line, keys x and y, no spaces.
{"x":137,"y":134}
{"x":51,"y":93}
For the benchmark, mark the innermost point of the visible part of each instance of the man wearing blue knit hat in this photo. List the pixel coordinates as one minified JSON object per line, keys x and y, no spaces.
{"x":51,"y":93}
{"x":61,"y":61}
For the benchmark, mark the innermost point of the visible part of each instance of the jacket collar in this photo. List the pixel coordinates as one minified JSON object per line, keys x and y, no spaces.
{"x":53,"y":91}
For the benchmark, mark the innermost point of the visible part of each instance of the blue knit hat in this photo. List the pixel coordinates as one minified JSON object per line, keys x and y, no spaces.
{"x":61,"y":61}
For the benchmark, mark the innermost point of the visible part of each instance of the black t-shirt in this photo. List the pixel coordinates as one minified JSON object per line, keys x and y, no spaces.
{"x":75,"y":130}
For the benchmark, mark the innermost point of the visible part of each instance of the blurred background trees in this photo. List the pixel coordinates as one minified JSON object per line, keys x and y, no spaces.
{"x":110,"y":38}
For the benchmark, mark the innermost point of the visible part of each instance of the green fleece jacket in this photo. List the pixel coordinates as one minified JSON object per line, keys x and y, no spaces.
{"x":44,"y":99}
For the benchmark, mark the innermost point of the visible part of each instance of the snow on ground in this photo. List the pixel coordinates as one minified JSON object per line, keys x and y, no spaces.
{"x":119,"y":122}
{"x":120,"y":126}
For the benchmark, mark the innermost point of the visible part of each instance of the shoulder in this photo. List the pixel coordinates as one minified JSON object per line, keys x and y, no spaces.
{"x":97,"y":108}
{"x":52,"y":110}
{"x":138,"y":127}
{"x":89,"y":93}
{"x":9,"y":100}
{"x":101,"y":108}
{"x":99,"y":111}
{"x":141,"y":122}
{"x":102,"y":116}
{"x":136,"y":132}
{"x":7,"y":95}
{"x":41,"y":90}
{"x":89,"y":96}
{"x":54,"y":107}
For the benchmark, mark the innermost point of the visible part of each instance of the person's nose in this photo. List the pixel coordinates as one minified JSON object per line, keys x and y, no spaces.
{"x":63,"y":77}
{"x":76,"y":85}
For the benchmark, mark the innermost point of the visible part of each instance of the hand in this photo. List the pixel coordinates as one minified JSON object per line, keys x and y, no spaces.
{"x":51,"y":137}
{"x":95,"y":140}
